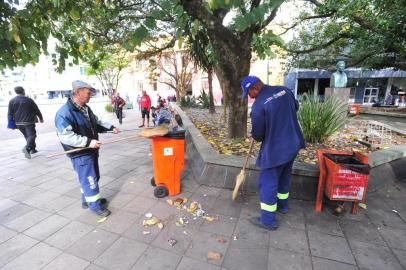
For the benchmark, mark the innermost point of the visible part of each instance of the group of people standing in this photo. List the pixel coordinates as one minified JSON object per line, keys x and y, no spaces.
{"x":159,"y":113}
{"x":274,"y":124}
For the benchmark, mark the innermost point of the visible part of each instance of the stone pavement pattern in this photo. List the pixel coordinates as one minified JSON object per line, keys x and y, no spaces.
{"x":42,"y":224}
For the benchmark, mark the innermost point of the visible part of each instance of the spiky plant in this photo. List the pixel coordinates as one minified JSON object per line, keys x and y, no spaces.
{"x":319,"y":120}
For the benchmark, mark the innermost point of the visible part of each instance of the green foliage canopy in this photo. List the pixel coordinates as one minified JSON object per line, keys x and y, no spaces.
{"x":367,"y":33}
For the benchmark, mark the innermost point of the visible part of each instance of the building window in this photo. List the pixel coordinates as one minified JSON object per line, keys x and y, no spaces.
{"x":82,"y":70}
{"x":138,"y":66}
{"x":139,"y":86}
{"x":371,"y":95}
{"x":352,"y":94}
{"x":205,"y":84}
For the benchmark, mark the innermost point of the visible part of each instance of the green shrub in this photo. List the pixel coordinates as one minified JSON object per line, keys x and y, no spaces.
{"x":108,"y":107}
{"x":185,"y":101}
{"x":319,"y":120}
{"x":203,"y":100}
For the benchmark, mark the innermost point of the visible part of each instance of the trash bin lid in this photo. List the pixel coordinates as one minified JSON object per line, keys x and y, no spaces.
{"x":176,"y":133}
{"x":349,"y":162}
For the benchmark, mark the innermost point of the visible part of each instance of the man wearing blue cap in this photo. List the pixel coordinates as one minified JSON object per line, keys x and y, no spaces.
{"x":78,"y":127}
{"x":275,"y":125}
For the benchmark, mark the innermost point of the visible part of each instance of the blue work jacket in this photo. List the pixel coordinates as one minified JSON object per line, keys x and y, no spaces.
{"x":275,"y":124}
{"x":76,"y":131}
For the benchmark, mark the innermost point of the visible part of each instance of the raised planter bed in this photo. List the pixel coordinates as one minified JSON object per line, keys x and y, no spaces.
{"x":213,"y":169}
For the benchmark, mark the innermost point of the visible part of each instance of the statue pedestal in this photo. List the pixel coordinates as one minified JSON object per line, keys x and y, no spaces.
{"x":342,"y":94}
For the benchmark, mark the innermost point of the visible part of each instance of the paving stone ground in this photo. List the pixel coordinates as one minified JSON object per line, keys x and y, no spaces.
{"x":42,"y":224}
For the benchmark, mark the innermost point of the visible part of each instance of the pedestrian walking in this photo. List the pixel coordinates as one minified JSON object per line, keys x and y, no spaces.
{"x":158,"y":99}
{"x":145,"y":108}
{"x":275,"y":125}
{"x":25,"y":113}
{"x":118,"y":104}
{"x":139,"y":102}
{"x":78,"y":127}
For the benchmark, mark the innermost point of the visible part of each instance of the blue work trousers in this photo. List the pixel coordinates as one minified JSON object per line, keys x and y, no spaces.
{"x":274,"y":185}
{"x":87,"y":168}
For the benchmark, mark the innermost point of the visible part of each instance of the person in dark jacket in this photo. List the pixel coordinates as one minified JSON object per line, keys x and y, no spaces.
{"x":25,"y":113}
{"x":118,"y":104}
{"x":275,"y":125}
{"x":78,"y":127}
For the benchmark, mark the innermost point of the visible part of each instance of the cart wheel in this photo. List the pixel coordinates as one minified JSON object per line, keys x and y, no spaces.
{"x":160,"y":192}
{"x":153,"y":182}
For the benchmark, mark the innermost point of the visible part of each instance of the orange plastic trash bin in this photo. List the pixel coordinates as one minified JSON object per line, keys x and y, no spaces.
{"x":168,"y":155}
{"x":343,"y":177}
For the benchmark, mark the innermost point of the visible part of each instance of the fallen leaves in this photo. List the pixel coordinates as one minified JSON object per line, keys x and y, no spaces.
{"x":103,"y":219}
{"x":153,"y":221}
{"x":209,"y":218}
{"x":215,"y":132}
{"x":221,"y":240}
{"x":213,"y":255}
{"x":192,"y":208}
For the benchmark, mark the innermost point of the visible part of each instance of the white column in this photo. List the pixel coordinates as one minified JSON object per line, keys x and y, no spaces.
{"x":296,"y":81}
{"x":316,"y":87}
{"x":388,"y":86}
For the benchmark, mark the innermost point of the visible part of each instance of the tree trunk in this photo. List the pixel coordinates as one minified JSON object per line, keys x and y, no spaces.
{"x":212,"y":109}
{"x":177,"y":97}
{"x":233,"y":55}
{"x":237,"y":110}
{"x":230,"y":75}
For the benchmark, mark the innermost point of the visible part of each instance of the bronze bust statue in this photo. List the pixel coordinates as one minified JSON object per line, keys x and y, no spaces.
{"x":339,"y":79}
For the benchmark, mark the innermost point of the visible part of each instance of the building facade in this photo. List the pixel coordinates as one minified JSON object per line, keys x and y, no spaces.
{"x":367,"y":86}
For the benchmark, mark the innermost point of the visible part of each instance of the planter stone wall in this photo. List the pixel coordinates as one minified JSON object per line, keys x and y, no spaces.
{"x":213,"y":169}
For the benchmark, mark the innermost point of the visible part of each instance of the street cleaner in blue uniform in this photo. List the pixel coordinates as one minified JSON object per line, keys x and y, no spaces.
{"x":275,"y":125}
{"x":78,"y":127}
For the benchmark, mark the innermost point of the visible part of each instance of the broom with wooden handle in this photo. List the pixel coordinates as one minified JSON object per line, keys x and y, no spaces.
{"x":239,"y":180}
{"x":146,"y":132}
{"x":83,"y":148}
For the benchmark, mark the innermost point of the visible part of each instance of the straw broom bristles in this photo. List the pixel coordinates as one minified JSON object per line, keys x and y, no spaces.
{"x":239,"y":180}
{"x":157,"y":131}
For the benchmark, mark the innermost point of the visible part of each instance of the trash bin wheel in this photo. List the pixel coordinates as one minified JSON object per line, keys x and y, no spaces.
{"x":160,"y":192}
{"x":153,"y":182}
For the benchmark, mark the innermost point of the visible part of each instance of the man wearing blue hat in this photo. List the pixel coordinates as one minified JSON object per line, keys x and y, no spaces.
{"x":275,"y":125}
{"x":78,"y":127}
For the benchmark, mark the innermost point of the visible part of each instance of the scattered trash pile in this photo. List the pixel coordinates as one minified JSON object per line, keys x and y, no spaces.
{"x":187,"y":211}
{"x":193,"y":208}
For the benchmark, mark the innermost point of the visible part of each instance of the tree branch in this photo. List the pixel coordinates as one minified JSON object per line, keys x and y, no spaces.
{"x":360,"y":60}
{"x":268,"y":20}
{"x":149,"y":53}
{"x":305,"y":19}
{"x":315,"y":2}
{"x":320,"y":46}
{"x":254,"y":4}
{"x":213,"y":24}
